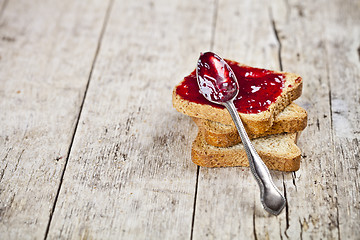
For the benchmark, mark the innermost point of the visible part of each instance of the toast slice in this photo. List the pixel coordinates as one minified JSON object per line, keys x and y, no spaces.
{"x":255,"y":123}
{"x":292,"y":119}
{"x":279,"y":152}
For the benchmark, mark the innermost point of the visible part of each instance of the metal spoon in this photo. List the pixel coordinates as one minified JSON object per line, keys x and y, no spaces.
{"x":218,"y":84}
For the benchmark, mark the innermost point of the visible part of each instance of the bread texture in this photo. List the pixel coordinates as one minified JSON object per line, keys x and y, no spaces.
{"x":279,"y":152}
{"x":255,"y":123}
{"x":292,"y":119}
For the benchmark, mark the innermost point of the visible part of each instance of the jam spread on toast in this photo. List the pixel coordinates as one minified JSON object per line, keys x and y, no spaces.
{"x":258,"y":88}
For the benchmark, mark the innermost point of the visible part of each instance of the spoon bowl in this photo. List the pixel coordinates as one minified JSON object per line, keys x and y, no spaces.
{"x":216,"y":80}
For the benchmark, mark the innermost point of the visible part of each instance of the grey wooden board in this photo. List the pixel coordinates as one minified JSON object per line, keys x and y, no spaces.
{"x":129,"y":173}
{"x":311,"y":199}
{"x":343,"y":60}
{"x":46,"y":54}
{"x":306,"y":31}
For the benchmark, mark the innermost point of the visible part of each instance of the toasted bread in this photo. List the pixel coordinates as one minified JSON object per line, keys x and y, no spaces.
{"x":279,"y":152}
{"x":292,"y":119}
{"x":255,"y":123}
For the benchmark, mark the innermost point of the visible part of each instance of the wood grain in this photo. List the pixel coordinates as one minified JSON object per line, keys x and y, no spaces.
{"x":46,"y":53}
{"x":130,"y":174}
{"x":311,"y":197}
{"x":343,"y":60}
{"x":313,"y":210}
{"x":305,"y":34}
{"x":91,"y":148}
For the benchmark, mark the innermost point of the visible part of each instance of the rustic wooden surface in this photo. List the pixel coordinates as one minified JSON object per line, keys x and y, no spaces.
{"x":91,"y":148}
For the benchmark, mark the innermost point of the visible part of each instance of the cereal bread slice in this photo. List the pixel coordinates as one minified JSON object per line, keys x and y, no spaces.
{"x":255,"y":123}
{"x":292,"y":119}
{"x":279,"y":152}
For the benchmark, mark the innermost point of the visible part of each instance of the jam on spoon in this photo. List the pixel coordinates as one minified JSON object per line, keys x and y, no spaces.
{"x":218,"y":84}
{"x":215,"y":78}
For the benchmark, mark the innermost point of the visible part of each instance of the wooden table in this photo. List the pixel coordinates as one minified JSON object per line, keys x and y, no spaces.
{"x":91,"y":147}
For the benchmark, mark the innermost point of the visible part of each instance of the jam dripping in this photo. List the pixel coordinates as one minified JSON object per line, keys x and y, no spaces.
{"x":258,"y":88}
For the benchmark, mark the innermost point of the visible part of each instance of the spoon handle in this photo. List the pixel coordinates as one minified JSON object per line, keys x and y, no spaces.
{"x":271,"y":198}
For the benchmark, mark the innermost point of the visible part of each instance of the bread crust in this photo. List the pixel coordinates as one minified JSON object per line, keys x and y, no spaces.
{"x":292,"y":119}
{"x":254,"y":123}
{"x":285,"y":159}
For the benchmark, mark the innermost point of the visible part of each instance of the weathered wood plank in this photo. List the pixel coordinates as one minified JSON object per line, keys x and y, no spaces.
{"x":312,"y":199}
{"x":129,"y":174}
{"x":304,"y":28}
{"x":46,"y":53}
{"x":313,"y":207}
{"x":343,"y":59}
{"x":228,"y":203}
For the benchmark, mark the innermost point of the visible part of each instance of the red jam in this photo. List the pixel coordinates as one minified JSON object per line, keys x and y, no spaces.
{"x":258,"y":88}
{"x":215,"y":78}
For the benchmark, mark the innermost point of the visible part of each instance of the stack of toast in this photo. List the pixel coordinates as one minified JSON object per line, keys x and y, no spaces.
{"x":273,"y":127}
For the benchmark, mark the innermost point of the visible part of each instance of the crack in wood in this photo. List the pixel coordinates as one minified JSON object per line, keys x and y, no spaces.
{"x":6,"y":155}
{"x":194,"y":206}
{"x":332,"y":140}
{"x":18,"y":160}
{"x":330,"y":100}
{"x":286,"y":209}
{"x":337,"y":212}
{"x":102,"y":31}
{"x":294,"y":179}
{"x":2,"y":174}
{"x":3,"y":170}
{"x":301,"y":229}
{"x":129,"y":123}
{"x":344,"y":157}
{"x":212,"y":42}
{"x":276,"y":33}
{"x":358,"y":52}
{"x":254,"y":226}
{"x":331,"y":112}
{"x":318,"y":124}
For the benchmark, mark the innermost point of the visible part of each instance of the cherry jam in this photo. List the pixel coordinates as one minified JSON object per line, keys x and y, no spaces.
{"x":258,"y":88}
{"x":216,"y":80}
